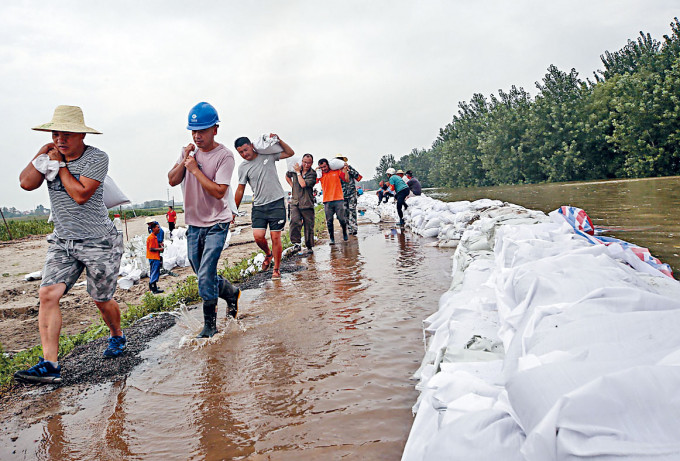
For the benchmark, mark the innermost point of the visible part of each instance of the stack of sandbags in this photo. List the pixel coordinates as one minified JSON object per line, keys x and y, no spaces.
{"x":547,"y":347}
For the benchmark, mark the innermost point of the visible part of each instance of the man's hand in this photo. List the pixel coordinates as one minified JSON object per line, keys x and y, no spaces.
{"x":189,"y":149}
{"x":51,"y":150}
{"x":191,"y":165}
{"x":297,"y":167}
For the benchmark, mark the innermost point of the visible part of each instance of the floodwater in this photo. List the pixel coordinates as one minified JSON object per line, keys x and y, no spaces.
{"x":640,"y":211}
{"x":320,"y":368}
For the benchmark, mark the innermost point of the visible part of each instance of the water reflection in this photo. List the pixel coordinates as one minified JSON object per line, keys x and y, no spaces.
{"x":641,"y":211}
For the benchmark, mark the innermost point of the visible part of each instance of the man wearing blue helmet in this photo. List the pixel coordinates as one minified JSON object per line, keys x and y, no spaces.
{"x":204,"y":170}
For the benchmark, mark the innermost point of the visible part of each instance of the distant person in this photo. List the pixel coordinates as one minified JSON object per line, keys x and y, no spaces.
{"x":150,"y":223}
{"x":360,"y":190}
{"x":171,"y":215}
{"x":333,"y":198}
{"x":302,"y":182}
{"x":401,"y":190}
{"x":84,"y":237}
{"x":204,"y":170}
{"x":153,"y":254}
{"x":269,"y":209}
{"x":349,"y":192}
{"x":413,"y":183}
{"x":382,"y":192}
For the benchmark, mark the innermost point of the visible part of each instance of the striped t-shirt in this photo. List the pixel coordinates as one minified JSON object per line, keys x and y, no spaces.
{"x":90,"y":220}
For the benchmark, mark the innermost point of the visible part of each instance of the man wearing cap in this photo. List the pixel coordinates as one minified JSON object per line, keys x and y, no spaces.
{"x":349,"y":192}
{"x":204,"y":170}
{"x":84,"y":237}
{"x":398,"y":185}
{"x":269,"y":208}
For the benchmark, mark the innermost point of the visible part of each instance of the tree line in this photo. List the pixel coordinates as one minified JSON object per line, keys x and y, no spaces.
{"x":622,"y":123}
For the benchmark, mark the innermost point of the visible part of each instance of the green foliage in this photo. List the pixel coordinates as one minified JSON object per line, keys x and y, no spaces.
{"x":22,"y":228}
{"x":625,"y":124}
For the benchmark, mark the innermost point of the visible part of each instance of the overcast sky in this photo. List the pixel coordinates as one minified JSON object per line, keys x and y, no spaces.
{"x":358,"y":78}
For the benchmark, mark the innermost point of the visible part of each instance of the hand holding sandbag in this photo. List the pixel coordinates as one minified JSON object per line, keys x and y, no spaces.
{"x":267,"y":144}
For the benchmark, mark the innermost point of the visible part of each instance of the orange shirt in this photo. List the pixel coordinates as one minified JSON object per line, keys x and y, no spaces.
{"x":152,"y":242}
{"x":331,"y":185}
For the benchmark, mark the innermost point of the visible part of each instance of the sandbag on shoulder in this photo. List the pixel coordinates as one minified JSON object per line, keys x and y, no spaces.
{"x":291,"y":161}
{"x":267,"y":145}
{"x":336,"y":164}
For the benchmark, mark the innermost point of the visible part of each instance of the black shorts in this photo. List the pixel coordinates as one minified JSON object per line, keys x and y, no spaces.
{"x":271,"y":214}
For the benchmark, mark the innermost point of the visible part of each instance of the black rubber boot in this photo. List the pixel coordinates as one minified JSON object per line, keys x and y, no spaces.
{"x":344,"y":233}
{"x":209,"y":319}
{"x":231,"y":295}
{"x":155,"y":288}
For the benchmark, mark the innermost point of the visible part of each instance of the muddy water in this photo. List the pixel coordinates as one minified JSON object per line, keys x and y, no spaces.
{"x":320,"y":369}
{"x":641,"y":211}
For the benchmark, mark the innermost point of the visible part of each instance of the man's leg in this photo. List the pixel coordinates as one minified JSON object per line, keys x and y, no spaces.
{"x":260,"y":236}
{"x":351,"y":210}
{"x":329,"y":211}
{"x":49,"y":319}
{"x":277,"y":248}
{"x":208,"y":280}
{"x":111,"y":315}
{"x":308,"y":219}
{"x":296,"y":217}
{"x":340,"y":213}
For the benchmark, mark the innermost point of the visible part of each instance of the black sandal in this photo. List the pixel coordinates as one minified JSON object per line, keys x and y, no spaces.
{"x":267,"y":261}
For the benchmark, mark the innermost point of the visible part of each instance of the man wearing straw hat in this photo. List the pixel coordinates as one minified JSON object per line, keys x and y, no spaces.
{"x":84,"y":237}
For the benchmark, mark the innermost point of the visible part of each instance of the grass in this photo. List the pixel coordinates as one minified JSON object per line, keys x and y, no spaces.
{"x":185,"y":292}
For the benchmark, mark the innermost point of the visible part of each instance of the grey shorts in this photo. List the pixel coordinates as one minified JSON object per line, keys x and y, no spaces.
{"x":100,"y":257}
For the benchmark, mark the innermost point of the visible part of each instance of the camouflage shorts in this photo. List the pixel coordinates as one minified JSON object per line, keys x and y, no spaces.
{"x":100,"y":257}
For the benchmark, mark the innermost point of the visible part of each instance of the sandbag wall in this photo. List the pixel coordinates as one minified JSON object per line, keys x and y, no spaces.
{"x":546,"y":347}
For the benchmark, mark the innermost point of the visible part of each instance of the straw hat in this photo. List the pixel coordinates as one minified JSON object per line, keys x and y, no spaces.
{"x":69,"y":119}
{"x":341,"y":157}
{"x":400,"y":172}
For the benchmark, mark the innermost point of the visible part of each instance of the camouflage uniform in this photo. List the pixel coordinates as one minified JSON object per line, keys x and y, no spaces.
{"x":349,"y":191}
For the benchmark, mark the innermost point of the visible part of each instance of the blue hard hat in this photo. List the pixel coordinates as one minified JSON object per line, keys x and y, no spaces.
{"x":202,"y":116}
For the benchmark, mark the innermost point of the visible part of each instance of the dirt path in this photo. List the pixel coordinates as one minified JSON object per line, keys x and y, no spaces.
{"x":19,"y":298}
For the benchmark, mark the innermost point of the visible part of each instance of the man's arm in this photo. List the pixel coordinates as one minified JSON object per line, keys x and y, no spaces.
{"x":177,"y":172}
{"x":239,"y":194}
{"x":287,"y":151}
{"x":30,"y":178}
{"x":210,"y":186}
{"x":288,"y":180}
{"x":81,"y":189}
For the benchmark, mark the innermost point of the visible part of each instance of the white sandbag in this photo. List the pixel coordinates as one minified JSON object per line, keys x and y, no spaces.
{"x":37,"y":275}
{"x":291,"y":161}
{"x":267,"y":145}
{"x":125,"y":283}
{"x":432,"y":232}
{"x":336,"y":164}
{"x":113,"y":196}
